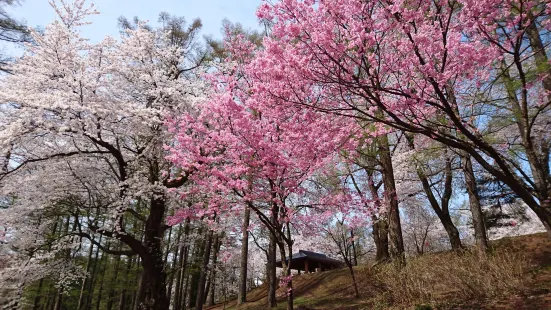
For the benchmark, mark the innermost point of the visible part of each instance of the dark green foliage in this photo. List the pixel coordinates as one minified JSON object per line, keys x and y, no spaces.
{"x":11,"y":31}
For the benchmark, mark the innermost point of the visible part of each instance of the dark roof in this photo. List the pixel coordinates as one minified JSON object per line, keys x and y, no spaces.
{"x":314,"y":257}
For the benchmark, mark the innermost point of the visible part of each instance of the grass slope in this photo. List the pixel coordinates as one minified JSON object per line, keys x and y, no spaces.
{"x":531,"y":288}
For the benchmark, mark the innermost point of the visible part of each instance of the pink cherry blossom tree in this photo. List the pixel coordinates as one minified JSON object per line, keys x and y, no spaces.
{"x":445,"y":70}
{"x":249,"y":150}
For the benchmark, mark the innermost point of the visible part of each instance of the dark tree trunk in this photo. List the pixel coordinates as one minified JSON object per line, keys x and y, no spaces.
{"x":91,"y":286}
{"x":217,"y":244}
{"x":380,"y":237}
{"x":198,"y":252}
{"x":175,"y":264}
{"x":103,"y":267}
{"x":36,"y":303}
{"x":113,"y":282}
{"x":122,"y":297}
{"x":354,"y":257}
{"x":58,"y":300}
{"x":181,"y":269}
{"x":395,"y":227}
{"x":203,"y":276}
{"x":271,"y":271}
{"x":351,"y":270}
{"x":48,"y":302}
{"x":451,"y":230}
{"x":85,"y":280}
{"x":442,"y":210}
{"x":242,"y":295}
{"x":152,"y":295}
{"x":185,"y":292}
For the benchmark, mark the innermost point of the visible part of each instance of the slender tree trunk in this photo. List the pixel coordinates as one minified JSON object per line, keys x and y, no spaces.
{"x":123,"y":300}
{"x":59,"y":300}
{"x":217,"y":244}
{"x":443,"y":213}
{"x":48,"y":301}
{"x":103,"y":268}
{"x":167,"y":250}
{"x":36,"y":303}
{"x":181,"y":269}
{"x":175,"y":264}
{"x":90,"y":289}
{"x":203,"y":276}
{"x":442,"y":209}
{"x":186,"y":290}
{"x":539,"y":163}
{"x":474,"y":203}
{"x":356,"y":291}
{"x":271,"y":268}
{"x":354,"y":253}
{"x":470,"y":184}
{"x":287,"y":271}
{"x":113,"y":282}
{"x":242,"y":295}
{"x":170,"y":280}
{"x":67,"y":256}
{"x":198,"y":252}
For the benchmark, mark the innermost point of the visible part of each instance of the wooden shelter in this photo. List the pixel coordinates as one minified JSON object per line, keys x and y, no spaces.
{"x":308,"y":261}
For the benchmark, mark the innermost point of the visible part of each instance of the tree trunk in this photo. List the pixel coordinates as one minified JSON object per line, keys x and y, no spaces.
{"x":356,"y":291}
{"x":198,"y":252}
{"x":90,"y":290}
{"x":113,"y":282}
{"x":84,"y":281}
{"x":380,"y":237}
{"x":242,"y":295}
{"x":395,"y":227}
{"x":203,"y":277}
{"x":217,"y":244}
{"x":103,"y":267}
{"x":175,"y":264}
{"x":474,"y":203}
{"x":48,"y":301}
{"x":287,"y":272}
{"x":539,"y":163}
{"x":185,"y":291}
{"x":153,"y":296}
{"x":380,"y":227}
{"x":442,"y":210}
{"x":181,"y":269}
{"x":271,"y":272}
{"x":453,"y":233}
{"x":58,"y":300}
{"x":354,"y":257}
{"x":36,"y":303}
{"x":122,"y":299}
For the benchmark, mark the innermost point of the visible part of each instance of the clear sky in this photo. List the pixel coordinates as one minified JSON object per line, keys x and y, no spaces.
{"x":211,"y":12}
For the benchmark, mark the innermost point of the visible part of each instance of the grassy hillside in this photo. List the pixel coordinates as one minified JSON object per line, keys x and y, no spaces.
{"x":515,"y":275}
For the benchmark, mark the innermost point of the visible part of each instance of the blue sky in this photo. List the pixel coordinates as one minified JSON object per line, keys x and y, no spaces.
{"x":211,"y":12}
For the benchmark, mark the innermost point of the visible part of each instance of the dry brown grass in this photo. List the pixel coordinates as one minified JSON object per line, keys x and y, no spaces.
{"x":461,"y":276}
{"x":516,"y":275}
